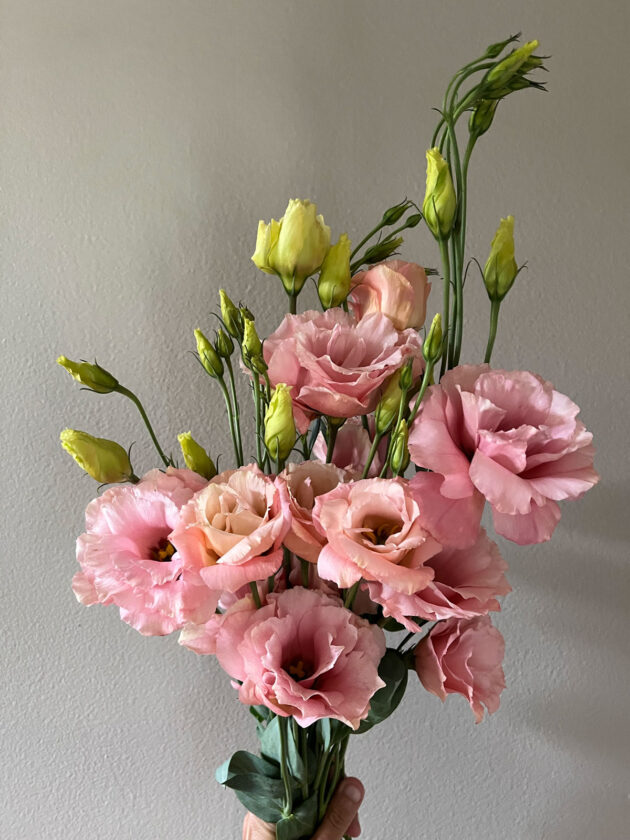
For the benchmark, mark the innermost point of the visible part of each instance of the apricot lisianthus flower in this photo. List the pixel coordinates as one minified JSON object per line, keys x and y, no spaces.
{"x":396,"y":288}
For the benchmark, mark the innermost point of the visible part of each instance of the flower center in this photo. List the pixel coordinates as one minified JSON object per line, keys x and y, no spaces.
{"x":299,"y":670}
{"x":163,"y":551}
{"x":378,"y":533}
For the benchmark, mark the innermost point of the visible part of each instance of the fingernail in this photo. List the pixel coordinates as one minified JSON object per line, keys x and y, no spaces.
{"x":353,"y":792}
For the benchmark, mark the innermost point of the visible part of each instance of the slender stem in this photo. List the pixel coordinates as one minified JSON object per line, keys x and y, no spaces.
{"x":305,"y":569}
{"x":254,"y":588}
{"x":405,"y":640}
{"x":494,"y":321}
{"x":367,"y":238}
{"x":286,"y":563}
{"x":284,"y":766}
{"x":332,"y":437}
{"x":230,"y":413}
{"x":134,"y":399}
{"x":296,"y":739}
{"x":351,"y":594}
{"x":304,"y":753}
{"x":237,"y":412}
{"x":456,"y":307}
{"x":375,"y":444}
{"x":293,"y":303}
{"x":446,"y":296}
{"x":423,"y":387}
{"x":461,"y":241}
{"x":256,"y":393}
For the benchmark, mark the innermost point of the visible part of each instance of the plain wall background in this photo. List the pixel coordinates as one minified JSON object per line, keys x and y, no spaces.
{"x":141,"y":142}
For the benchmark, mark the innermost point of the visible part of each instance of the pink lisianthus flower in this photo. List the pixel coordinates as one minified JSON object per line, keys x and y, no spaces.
{"x":397,"y":289}
{"x":334,"y":364}
{"x":302,"y":654}
{"x":305,"y":482}
{"x":463,"y":656}
{"x":466,"y":582}
{"x":232,"y":530}
{"x":352,"y":449}
{"x":127,"y":557}
{"x":509,"y":437}
{"x":374,"y":531}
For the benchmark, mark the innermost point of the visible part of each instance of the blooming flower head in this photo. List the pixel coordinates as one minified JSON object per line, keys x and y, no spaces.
{"x":305,"y":482}
{"x":334,"y":364}
{"x":463,"y":656}
{"x":302,"y":654}
{"x":510,"y":437}
{"x":232,"y":530}
{"x":127,"y":558}
{"x":466,"y":582}
{"x":397,"y":289}
{"x":374,"y":531}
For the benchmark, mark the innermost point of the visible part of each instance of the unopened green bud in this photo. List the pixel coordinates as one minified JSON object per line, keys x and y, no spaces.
{"x":500,"y":270}
{"x":280,"y":432}
{"x":406,"y":375}
{"x":105,"y":460}
{"x":195,"y":456}
{"x":224,"y":344}
{"x":432,"y":347}
{"x":440,"y":201}
{"x":208,"y":355}
{"x":252,"y":347}
{"x":90,"y":376}
{"x":499,"y":75}
{"x":482,"y":116}
{"x":393,"y":214}
{"x":231,"y":316}
{"x":389,"y":405}
{"x":333,"y":286}
{"x":382,"y":250}
{"x":413,"y":220}
{"x":400,"y":452}
{"x":246,"y":313}
{"x":495,"y":50}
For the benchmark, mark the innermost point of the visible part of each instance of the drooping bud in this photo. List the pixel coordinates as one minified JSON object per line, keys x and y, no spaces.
{"x":224,"y":344}
{"x":502,"y":73}
{"x":432,"y":347}
{"x":400,"y":451}
{"x":389,"y":405}
{"x":106,"y":461}
{"x":230,"y":316}
{"x":91,"y":376}
{"x":208,"y":355}
{"x":482,"y":116}
{"x":334,"y":279}
{"x":500,"y":270}
{"x":393,"y":214}
{"x":195,"y":456}
{"x":495,"y":50}
{"x":252,"y":347}
{"x":280,"y":432}
{"x":440,"y":201}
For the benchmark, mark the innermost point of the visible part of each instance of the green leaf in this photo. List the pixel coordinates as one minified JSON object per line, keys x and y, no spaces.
{"x":256,"y":783}
{"x":301,"y":824}
{"x":270,"y":748}
{"x":393,"y":671}
{"x":331,"y":731}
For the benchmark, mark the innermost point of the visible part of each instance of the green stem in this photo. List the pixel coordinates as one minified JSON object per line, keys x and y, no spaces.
{"x":230,"y":413}
{"x":332,"y":437}
{"x":296,"y":741}
{"x":305,"y":569}
{"x":494,"y":321}
{"x":293,"y":303}
{"x":446,"y":296}
{"x":254,"y":588}
{"x":351,"y":594}
{"x":134,"y":399}
{"x":284,"y":766}
{"x":237,"y":412}
{"x":456,"y":307}
{"x":256,"y":392}
{"x":375,"y":444}
{"x":367,"y":238}
{"x":423,"y":387}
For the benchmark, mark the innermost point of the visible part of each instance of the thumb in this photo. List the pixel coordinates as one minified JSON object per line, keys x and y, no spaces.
{"x":341,"y":811}
{"x":255,"y":829}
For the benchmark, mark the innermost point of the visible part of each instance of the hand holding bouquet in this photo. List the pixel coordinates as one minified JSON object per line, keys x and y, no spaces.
{"x":344,"y":546}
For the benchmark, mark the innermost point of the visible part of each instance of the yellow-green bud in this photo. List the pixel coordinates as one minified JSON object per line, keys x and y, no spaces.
{"x":440,"y":201}
{"x":209,"y":357}
{"x":393,"y":214}
{"x":389,"y":405}
{"x":406,"y":375}
{"x":382,"y":250}
{"x":90,"y":376}
{"x":246,"y":313}
{"x":482,"y":116}
{"x":432,"y":347}
{"x":224,"y":344}
{"x":334,"y":279}
{"x":230,"y":316}
{"x":503,"y":72}
{"x":400,"y":452}
{"x":295,"y":247}
{"x":280,"y":432}
{"x":500,"y":270}
{"x":252,"y":348}
{"x":195,"y":456}
{"x":105,"y":460}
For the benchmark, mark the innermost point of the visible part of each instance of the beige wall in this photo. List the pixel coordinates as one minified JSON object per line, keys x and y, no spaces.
{"x":142,"y":140}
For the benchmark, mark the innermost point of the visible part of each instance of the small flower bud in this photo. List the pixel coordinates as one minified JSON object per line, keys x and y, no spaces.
{"x":500,"y":270}
{"x":382,"y":250}
{"x":224,"y":344}
{"x":413,"y":220}
{"x":266,"y":239}
{"x":393,"y":214}
{"x":440,"y":201}
{"x":208,"y":355}
{"x":105,"y":460}
{"x":432,"y":347}
{"x":252,"y":348}
{"x":389,"y":405}
{"x":495,"y":50}
{"x":231,"y":316}
{"x":195,"y":456}
{"x":246,"y":313}
{"x":280,"y":432}
{"x":400,"y":452}
{"x":334,"y":279}
{"x":406,"y":375}
{"x":90,"y":376}
{"x":482,"y":116}
{"x":502,"y":73}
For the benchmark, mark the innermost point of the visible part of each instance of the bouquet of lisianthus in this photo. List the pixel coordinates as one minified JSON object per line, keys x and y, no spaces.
{"x":359,"y":515}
